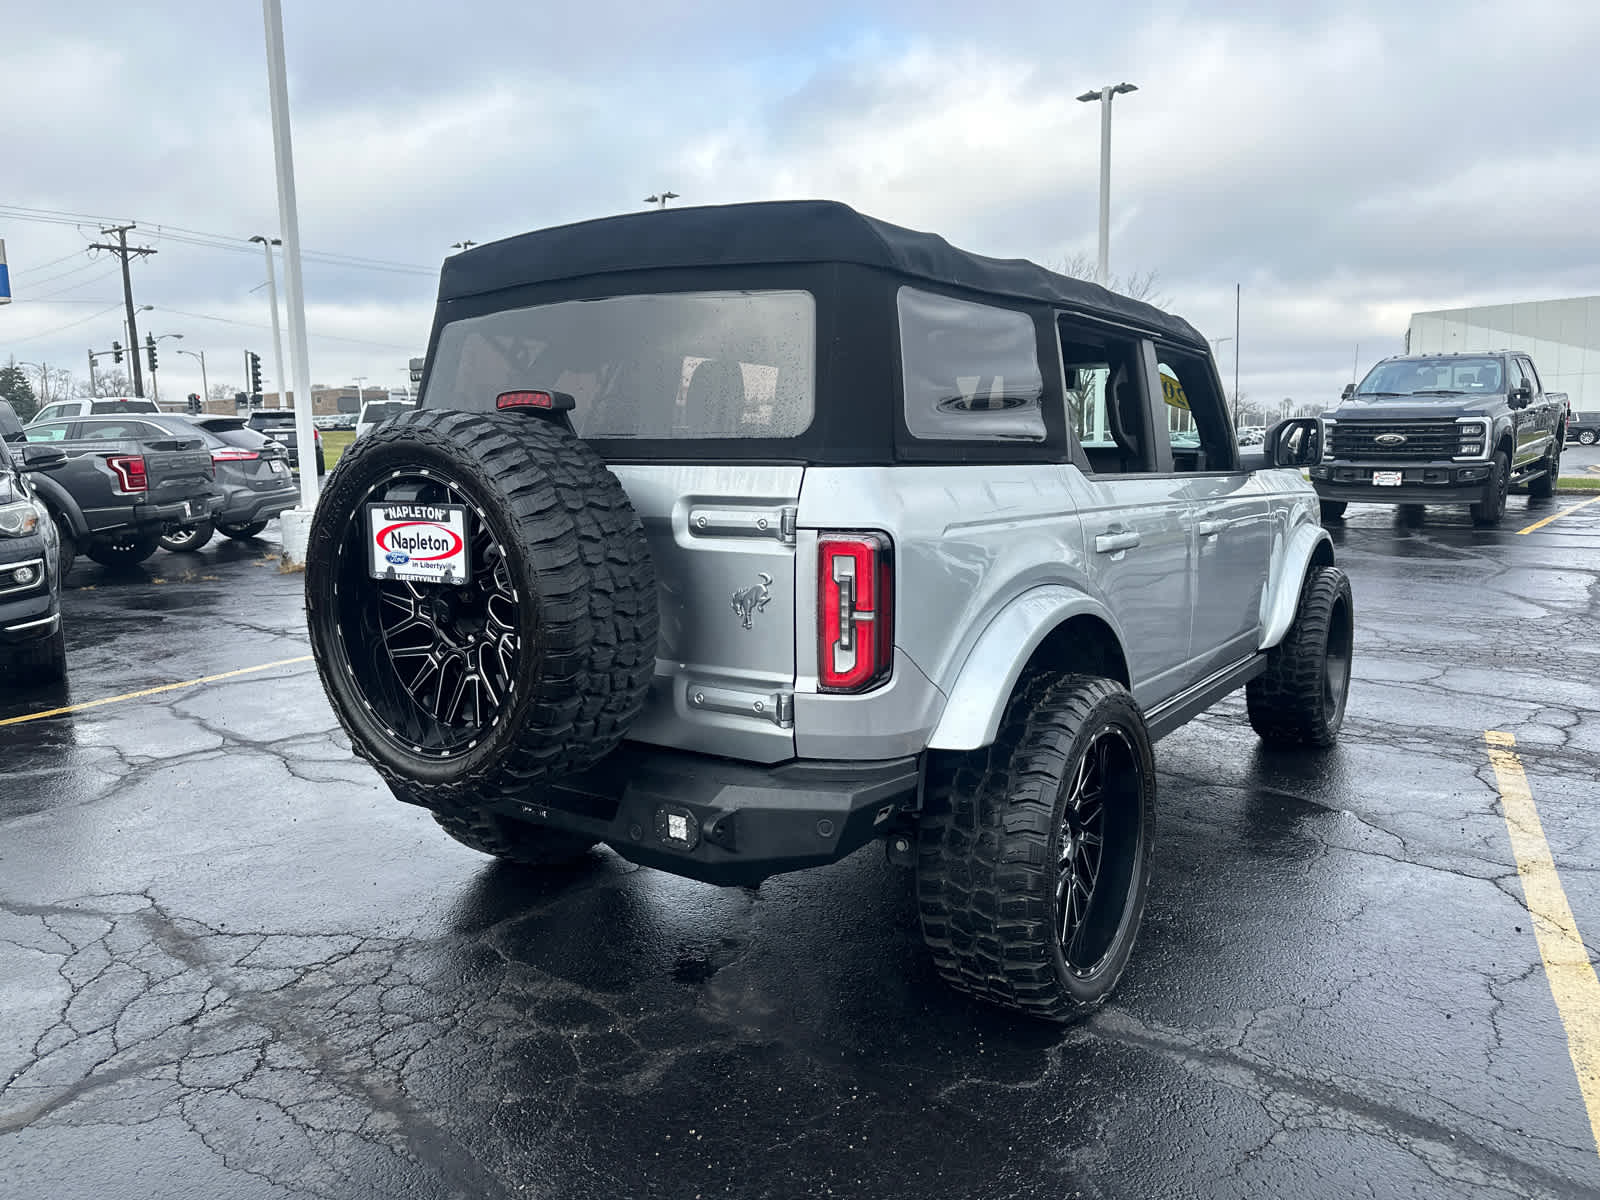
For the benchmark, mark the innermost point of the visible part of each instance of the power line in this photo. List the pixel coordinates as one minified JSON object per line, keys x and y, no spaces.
{"x":326,"y":337}
{"x":72,"y":287}
{"x":33,"y":337}
{"x":54,"y":261}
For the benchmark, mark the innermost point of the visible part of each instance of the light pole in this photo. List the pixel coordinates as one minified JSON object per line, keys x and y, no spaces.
{"x":205,"y":385}
{"x":464,"y":244}
{"x":272,"y":299}
{"x":1104,"y":95}
{"x":155,"y":388}
{"x":360,"y":379}
{"x":660,"y":200}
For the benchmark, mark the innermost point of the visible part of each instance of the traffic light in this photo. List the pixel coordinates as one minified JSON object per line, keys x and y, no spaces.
{"x":116,"y":352}
{"x":255,"y":371}
{"x":150,"y":348}
{"x":194,"y":404}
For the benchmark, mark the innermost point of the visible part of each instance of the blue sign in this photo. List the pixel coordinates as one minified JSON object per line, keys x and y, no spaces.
{"x":5,"y":275}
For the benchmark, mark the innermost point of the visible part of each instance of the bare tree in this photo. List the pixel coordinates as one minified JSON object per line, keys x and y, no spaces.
{"x":1139,"y":285}
{"x":106,"y":383}
{"x":222,"y":393}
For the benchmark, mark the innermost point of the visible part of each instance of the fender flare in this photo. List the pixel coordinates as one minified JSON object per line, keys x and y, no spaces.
{"x":971,"y":716}
{"x":59,"y":500}
{"x":1279,"y":609}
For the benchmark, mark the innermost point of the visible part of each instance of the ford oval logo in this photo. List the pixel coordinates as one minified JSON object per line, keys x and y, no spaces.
{"x":397,"y":557}
{"x":1390,"y":439}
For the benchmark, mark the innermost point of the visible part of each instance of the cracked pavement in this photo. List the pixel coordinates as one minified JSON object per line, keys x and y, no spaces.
{"x":232,"y":966}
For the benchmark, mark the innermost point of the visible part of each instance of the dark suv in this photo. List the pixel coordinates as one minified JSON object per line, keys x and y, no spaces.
{"x":1443,"y":429}
{"x":278,"y":424}
{"x":32,"y":645}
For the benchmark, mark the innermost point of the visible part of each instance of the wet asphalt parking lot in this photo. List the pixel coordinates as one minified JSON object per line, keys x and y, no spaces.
{"x":232,"y":966}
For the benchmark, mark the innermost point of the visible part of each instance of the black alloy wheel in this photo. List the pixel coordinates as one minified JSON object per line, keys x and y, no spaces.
{"x":125,"y":549}
{"x":1489,"y":511}
{"x":1544,"y":487}
{"x":241,"y":533}
{"x":435,"y":663}
{"x":1096,"y":846}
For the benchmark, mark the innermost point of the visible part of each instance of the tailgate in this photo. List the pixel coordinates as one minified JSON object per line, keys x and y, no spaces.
{"x":722,"y":537}
{"x":176,"y":475}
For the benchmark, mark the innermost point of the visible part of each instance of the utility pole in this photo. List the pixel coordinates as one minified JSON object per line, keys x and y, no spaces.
{"x":1236,"y":354}
{"x":123,"y":251}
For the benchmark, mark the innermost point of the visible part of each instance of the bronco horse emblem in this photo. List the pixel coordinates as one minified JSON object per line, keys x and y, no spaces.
{"x":749,"y":601}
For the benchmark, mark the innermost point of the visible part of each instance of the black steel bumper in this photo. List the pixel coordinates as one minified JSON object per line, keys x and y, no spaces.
{"x":725,"y":822}
{"x":1422,"y":483}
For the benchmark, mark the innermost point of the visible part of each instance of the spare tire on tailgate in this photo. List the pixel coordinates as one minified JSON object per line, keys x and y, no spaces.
{"x":532,"y":665}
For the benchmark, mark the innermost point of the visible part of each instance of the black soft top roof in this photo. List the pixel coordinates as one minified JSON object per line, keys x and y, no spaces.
{"x":784,"y":231}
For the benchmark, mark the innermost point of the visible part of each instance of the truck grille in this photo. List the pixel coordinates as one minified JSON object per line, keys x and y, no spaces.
{"x":1423,"y":440}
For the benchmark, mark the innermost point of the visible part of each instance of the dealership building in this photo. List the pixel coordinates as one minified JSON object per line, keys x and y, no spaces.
{"x":1561,"y":336}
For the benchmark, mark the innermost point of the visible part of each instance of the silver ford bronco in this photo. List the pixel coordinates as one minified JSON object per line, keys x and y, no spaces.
{"x":736,"y":538}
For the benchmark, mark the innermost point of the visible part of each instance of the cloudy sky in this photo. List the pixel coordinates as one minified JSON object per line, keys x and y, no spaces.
{"x":1348,"y":163}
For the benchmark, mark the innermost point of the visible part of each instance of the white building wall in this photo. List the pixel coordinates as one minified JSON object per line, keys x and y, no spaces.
{"x":1561,"y":336}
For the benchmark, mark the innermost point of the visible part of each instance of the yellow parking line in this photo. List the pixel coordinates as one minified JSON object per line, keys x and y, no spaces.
{"x":1566,"y":962}
{"x":1556,"y":516}
{"x":166,"y":687}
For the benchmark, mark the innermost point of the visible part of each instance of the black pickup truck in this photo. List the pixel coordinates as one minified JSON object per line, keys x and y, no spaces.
{"x":1443,"y":429}
{"x":121,"y":488}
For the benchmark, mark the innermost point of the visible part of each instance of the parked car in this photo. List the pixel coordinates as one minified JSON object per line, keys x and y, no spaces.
{"x":60,"y":410}
{"x":126,"y":482}
{"x":1443,"y":429}
{"x":252,"y":472}
{"x":870,"y":539}
{"x":278,"y":424}
{"x":33,"y":647}
{"x":375,"y":412}
{"x":1584,"y":428}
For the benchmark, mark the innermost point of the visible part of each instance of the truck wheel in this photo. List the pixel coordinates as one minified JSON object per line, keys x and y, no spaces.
{"x":188,"y":539}
{"x":1488,"y":511}
{"x":513,"y":840}
{"x":461,"y":695}
{"x":1033,"y":855}
{"x":1333,"y":510}
{"x":1586,"y":438}
{"x":240,"y":533}
{"x":1300,"y":699}
{"x":34,"y":663}
{"x":1544,"y":487}
{"x":123,"y":549}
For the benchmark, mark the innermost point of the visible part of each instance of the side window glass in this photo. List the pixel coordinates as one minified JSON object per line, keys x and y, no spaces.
{"x":1532,"y":375}
{"x":47,"y":433}
{"x":112,"y":430}
{"x":1106,"y":400}
{"x":1197,"y":414}
{"x":971,"y":371}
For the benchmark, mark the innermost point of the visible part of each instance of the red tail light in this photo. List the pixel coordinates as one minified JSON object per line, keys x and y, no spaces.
{"x":234,"y":456}
{"x":549,"y":401}
{"x":130,"y":473}
{"x":855,"y":601}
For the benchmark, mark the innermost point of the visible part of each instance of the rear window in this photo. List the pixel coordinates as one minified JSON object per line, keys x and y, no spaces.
{"x":238,"y":435}
{"x":383,"y":412}
{"x":673,"y":366}
{"x":118,"y":406}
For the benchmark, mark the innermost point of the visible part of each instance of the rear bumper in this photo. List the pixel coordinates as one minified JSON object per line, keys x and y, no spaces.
{"x":245,"y":507}
{"x":725,"y":822}
{"x":1423,"y":483}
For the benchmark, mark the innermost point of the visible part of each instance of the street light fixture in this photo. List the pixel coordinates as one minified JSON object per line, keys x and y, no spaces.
{"x":464,"y":244}
{"x":1105,"y":95}
{"x":272,"y":299}
{"x":660,"y":200}
{"x":205,"y":384}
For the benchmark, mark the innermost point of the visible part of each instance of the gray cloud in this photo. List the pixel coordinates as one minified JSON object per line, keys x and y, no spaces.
{"x":1347,"y":163}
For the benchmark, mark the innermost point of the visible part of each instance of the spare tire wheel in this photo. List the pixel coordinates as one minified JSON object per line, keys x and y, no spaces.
{"x":466,"y":694}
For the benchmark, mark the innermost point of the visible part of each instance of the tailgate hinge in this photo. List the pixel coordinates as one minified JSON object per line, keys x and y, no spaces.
{"x":788,"y":525}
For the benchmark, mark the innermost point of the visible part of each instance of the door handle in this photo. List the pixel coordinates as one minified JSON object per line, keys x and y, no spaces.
{"x":1211,"y":528}
{"x":1110,"y":543}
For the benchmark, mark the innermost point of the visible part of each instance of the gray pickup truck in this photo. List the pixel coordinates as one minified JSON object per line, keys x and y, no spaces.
{"x":738,"y":538}
{"x":1443,"y":429}
{"x":124,"y":485}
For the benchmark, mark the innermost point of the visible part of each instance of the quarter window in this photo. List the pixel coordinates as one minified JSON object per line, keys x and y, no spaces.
{"x":970,"y":371}
{"x":47,"y":433}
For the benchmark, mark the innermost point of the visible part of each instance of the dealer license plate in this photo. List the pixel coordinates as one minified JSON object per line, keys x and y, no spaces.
{"x":1388,"y":478}
{"x":277,"y":465}
{"x":188,"y":508}
{"x":425,"y":543}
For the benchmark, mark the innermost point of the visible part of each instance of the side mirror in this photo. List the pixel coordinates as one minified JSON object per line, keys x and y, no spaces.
{"x":43,"y":458}
{"x":1349,"y":390}
{"x":1521,"y":396}
{"x":1295,"y":443}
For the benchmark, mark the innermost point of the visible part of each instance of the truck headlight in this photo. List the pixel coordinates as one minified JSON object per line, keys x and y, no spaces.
{"x":18,"y":519}
{"x":1472,"y":438}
